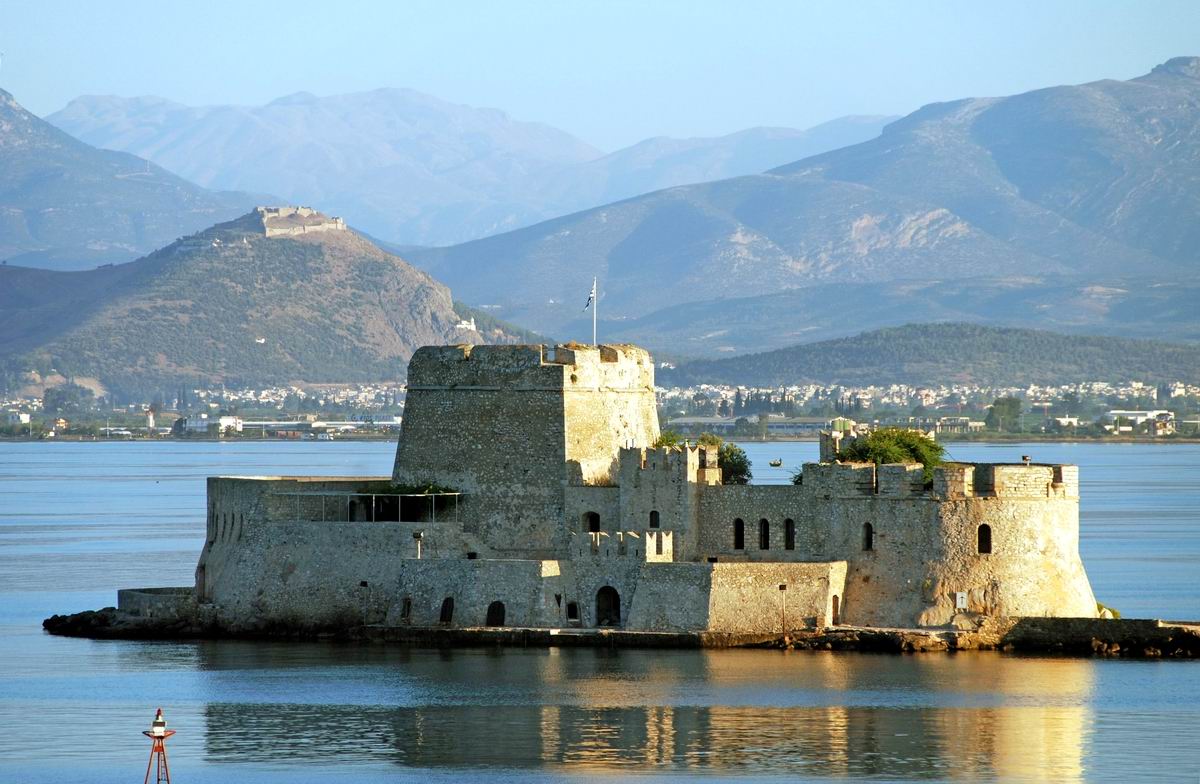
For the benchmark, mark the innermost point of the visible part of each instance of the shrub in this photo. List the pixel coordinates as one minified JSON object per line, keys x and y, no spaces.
{"x":895,"y":445}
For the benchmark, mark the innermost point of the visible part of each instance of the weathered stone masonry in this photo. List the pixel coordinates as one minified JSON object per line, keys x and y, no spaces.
{"x":559,"y":512}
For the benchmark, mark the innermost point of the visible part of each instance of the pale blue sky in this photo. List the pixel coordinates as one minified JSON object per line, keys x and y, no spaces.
{"x":610,"y":72}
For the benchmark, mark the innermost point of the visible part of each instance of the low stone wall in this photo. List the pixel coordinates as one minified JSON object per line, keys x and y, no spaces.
{"x":157,"y":602}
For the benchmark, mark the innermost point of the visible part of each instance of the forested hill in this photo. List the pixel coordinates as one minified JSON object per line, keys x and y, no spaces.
{"x":928,"y":354}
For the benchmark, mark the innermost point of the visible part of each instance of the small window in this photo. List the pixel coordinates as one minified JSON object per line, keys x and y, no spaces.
{"x":406,"y":609}
{"x":447,"y":614}
{"x":985,"y":539}
{"x":739,"y":534}
{"x":789,"y":534}
{"x":572,"y":611}
{"x":591,"y":521}
{"x":658,"y":539}
{"x":654,"y":519}
{"x":764,"y":534}
{"x":868,"y":536}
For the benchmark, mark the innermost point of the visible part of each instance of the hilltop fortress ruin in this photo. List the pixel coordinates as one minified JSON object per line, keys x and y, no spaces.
{"x":290,"y":221}
{"x":527,"y":492}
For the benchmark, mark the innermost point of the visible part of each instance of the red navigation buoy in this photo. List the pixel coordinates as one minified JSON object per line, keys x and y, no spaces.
{"x":158,"y":734}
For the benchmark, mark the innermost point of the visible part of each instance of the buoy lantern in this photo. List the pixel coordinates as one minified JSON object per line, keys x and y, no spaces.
{"x":158,"y":734}
{"x":158,"y":728}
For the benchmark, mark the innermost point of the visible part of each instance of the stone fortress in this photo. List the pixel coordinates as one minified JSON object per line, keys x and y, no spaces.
{"x":527,"y":493}
{"x":289,"y":221}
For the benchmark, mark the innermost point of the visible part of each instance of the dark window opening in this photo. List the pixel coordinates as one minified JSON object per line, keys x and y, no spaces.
{"x":654,"y":519}
{"x":495,"y":614}
{"x":362,"y":584}
{"x":591,"y":521}
{"x":658,"y":543}
{"x":764,"y":534}
{"x":447,"y":614}
{"x":572,"y":611}
{"x":789,"y":534}
{"x":471,"y":556}
{"x":837,"y":613}
{"x":985,"y":539}
{"x":406,"y":609}
{"x":739,"y":534}
{"x":868,"y":536}
{"x":712,"y":559}
{"x":608,"y":607}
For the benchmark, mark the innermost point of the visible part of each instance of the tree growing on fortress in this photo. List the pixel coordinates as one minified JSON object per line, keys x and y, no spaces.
{"x":735,"y":465}
{"x":895,"y":445}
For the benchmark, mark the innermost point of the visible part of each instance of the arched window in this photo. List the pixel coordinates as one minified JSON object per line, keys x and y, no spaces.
{"x":789,"y":534}
{"x":868,"y":536}
{"x":591,"y":522}
{"x":985,"y":539}
{"x":654,"y":518}
{"x":764,"y":534}
{"x":447,"y":614}
{"x":739,"y":534}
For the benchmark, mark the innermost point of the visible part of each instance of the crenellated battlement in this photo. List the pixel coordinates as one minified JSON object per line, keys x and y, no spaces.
{"x":950,"y":480}
{"x":1006,"y":480}
{"x":564,"y":367}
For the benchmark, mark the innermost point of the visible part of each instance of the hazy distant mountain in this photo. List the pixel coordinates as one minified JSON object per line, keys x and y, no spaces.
{"x":65,"y":204}
{"x":935,"y":354}
{"x":232,"y":305}
{"x":1083,"y":183}
{"x":1131,"y":307}
{"x":413,"y":169}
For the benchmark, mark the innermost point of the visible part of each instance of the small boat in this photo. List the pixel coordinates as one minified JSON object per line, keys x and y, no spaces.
{"x":775,"y":463}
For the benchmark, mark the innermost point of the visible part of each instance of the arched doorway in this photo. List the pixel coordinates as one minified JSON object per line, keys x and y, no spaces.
{"x":739,"y":534}
{"x":868,"y":536}
{"x":495,"y":614}
{"x":608,"y":607}
{"x":447,"y":614}
{"x":591,"y":522}
{"x":764,"y":534}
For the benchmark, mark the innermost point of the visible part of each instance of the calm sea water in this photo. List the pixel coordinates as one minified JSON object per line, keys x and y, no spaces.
{"x":77,"y":521}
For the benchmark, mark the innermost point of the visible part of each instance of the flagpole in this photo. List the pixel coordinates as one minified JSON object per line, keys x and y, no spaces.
{"x":595,"y":303}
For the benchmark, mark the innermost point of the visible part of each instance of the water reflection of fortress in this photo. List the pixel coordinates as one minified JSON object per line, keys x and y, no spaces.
{"x":551,"y":508}
{"x":583,"y":724}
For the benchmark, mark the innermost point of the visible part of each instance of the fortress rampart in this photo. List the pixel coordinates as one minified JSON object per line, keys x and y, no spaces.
{"x":527,"y":492}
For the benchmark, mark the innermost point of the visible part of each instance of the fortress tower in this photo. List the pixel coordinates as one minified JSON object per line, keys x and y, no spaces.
{"x":512,"y":427}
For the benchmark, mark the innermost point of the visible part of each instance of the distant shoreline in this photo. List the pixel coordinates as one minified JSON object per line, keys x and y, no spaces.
{"x":950,"y":438}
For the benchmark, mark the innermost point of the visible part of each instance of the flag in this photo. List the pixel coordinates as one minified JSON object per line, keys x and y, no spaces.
{"x":592,"y":296}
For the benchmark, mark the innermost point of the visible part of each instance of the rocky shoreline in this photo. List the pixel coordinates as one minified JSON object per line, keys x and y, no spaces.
{"x":1133,"y":638}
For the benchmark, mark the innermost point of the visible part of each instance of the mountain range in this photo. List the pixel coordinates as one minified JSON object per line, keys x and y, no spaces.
{"x":66,"y":204}
{"x":413,"y":169}
{"x":939,"y":354}
{"x":232,"y":305}
{"x":1082,"y":185}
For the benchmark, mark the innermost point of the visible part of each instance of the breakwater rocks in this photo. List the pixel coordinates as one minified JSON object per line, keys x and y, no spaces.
{"x":1062,"y":636}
